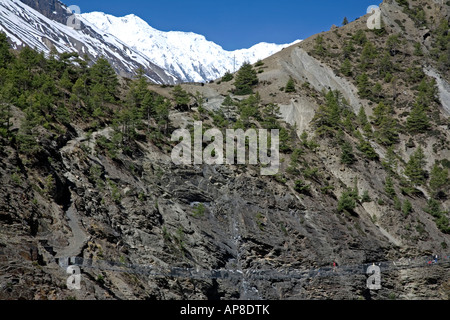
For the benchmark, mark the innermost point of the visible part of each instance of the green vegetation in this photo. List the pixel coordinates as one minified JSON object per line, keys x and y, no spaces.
{"x":389,"y":187}
{"x":407,"y":207}
{"x":439,"y":181}
{"x":181,"y":97}
{"x":417,"y":121}
{"x":332,"y":115}
{"x":414,"y":169}
{"x":346,"y":68}
{"x":290,"y":86}
{"x":246,"y":79}
{"x":302,"y":188}
{"x":319,"y":48}
{"x":227,"y":77}
{"x":441,"y":217}
{"x":347,"y":155}
{"x":347,"y":202}
{"x":199,"y":210}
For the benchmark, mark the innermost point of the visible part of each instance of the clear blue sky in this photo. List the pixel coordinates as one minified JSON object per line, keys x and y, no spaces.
{"x":236,"y":24}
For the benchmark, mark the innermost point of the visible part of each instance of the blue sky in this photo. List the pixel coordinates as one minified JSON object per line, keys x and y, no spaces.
{"x":236,"y":24}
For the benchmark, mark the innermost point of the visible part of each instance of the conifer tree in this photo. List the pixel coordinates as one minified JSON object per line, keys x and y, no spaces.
{"x":246,"y":79}
{"x":417,"y":121}
{"x":290,"y":86}
{"x":368,"y":55}
{"x":362,"y":82}
{"x":415,"y":168}
{"x":319,"y":48}
{"x":138,"y":89}
{"x":227,"y":77}
{"x":5,"y":55}
{"x":346,"y":68}
{"x":389,"y":187}
{"x":103,"y":80}
{"x":181,"y":97}
{"x":439,"y":180}
{"x":347,"y":155}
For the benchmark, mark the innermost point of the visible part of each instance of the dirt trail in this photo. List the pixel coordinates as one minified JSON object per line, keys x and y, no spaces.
{"x":79,"y":236}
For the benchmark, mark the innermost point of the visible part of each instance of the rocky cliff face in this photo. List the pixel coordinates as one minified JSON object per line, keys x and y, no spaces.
{"x":142,"y":228}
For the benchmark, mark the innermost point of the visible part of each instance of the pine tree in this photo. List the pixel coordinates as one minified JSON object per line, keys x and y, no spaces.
{"x":417,"y":121}
{"x":5,"y":115}
{"x":227,"y":77}
{"x":346,"y":68}
{"x":387,"y":133}
{"x":345,"y":22}
{"x":328,"y":116}
{"x":347,"y":202}
{"x":415,"y":167}
{"x":103,"y":77}
{"x":181,"y":97}
{"x":393,"y":44}
{"x":390,"y":163}
{"x":362,"y":82}
{"x":319,"y":48}
{"x":389,"y":187}
{"x":366,"y":148}
{"x":246,"y":79}
{"x":439,"y":180}
{"x":348,"y":49}
{"x":148,"y":107}
{"x":5,"y":55}
{"x":360,"y":37}
{"x":65,"y":81}
{"x":227,"y":105}
{"x":270,"y":113}
{"x":138,"y":89}
{"x":290,"y":86}
{"x":249,"y":108}
{"x":384,"y":65}
{"x":347,"y":155}
{"x":162,"y":108}
{"x":368,"y":55}
{"x":418,"y":49}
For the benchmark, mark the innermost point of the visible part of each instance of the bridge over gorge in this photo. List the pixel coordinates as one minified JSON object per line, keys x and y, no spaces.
{"x":254,"y":274}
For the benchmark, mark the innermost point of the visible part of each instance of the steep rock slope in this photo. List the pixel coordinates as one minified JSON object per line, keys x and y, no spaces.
{"x":345,"y":191}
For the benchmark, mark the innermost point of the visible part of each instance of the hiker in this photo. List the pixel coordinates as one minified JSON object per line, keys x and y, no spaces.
{"x":334,"y":266}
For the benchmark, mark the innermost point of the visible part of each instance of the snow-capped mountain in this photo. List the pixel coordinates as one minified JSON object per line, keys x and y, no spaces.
{"x":189,"y":56}
{"x":44,"y":29}
{"x":128,"y":42}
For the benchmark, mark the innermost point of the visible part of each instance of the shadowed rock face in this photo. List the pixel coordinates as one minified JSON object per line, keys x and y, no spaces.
{"x":52,"y":9}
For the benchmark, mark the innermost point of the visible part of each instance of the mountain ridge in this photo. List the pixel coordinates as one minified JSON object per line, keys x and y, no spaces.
{"x":188,"y":55}
{"x":27,"y":26}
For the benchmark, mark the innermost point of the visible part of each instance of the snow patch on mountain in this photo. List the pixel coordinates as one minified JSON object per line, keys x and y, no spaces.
{"x":26,"y":26}
{"x":189,"y":56}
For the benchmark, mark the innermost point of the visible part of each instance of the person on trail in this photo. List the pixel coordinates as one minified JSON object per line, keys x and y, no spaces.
{"x":334,"y":266}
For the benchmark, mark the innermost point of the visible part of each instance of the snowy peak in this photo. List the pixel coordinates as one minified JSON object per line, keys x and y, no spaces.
{"x":189,"y":56}
{"x":26,"y":26}
{"x":128,"y":42}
